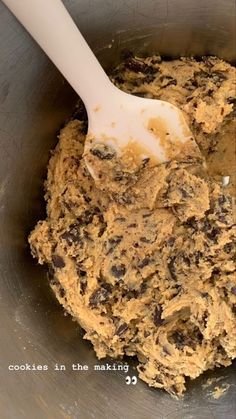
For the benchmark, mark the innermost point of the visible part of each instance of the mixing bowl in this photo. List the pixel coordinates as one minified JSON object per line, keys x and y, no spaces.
{"x":34,"y":102}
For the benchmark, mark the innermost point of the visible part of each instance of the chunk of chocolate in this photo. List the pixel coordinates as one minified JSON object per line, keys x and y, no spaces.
{"x":144,"y":262}
{"x":213,"y":234}
{"x":99,"y":296}
{"x":54,"y":282}
{"x":103,"y":151}
{"x":112,"y":243}
{"x":72,"y":235}
{"x":139,"y":66}
{"x":58,"y":261}
{"x":157,"y":320}
{"x":118,"y":270}
{"x":144,"y":239}
{"x":121,"y":329}
{"x":171,"y":267}
{"x":82,"y":280}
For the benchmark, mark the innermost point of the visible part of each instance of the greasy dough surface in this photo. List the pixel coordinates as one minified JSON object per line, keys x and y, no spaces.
{"x":148,"y":269}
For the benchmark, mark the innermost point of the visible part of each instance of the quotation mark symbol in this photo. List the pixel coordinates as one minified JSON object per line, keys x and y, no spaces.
{"x":131,"y":380}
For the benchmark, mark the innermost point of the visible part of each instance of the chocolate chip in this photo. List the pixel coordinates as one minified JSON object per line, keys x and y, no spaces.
{"x":172,"y":82}
{"x":191,"y":223}
{"x":118,"y":176}
{"x":222,"y":219}
{"x":83,"y":285}
{"x":118,"y":270}
{"x":214,"y":234}
{"x":138,"y":66}
{"x":184,"y":193}
{"x":112,"y":243}
{"x":171,"y":267}
{"x":87,"y":217}
{"x":102,"y":230}
{"x":149,"y":78}
{"x":133,"y":225}
{"x":58,"y":287}
{"x":188,"y":99}
{"x":121,"y":329}
{"x":119,"y":79}
{"x":170,"y":241}
{"x":54,"y":281}
{"x":144,"y":262}
{"x":61,"y":292}
{"x":82,"y":280}
{"x":228,"y":247}
{"x":222,"y":200}
{"x":131,"y":294}
{"x":205,"y":318}
{"x":186,"y":260}
{"x":106,"y":286}
{"x":103,"y":225}
{"x":218,"y":76}
{"x":147,"y":215}
{"x":210,"y":92}
{"x":103,"y":151}
{"x":58,"y":261}
{"x":233,"y":290}
{"x":125,"y":199}
{"x":81,"y":273}
{"x":145,"y":161}
{"x":189,"y":85}
{"x":165,"y":350}
{"x":157,"y":320}
{"x":215,"y":271}
{"x":99,"y":296}
{"x":135,"y":340}
{"x":231,"y":100}
{"x":206,"y":225}
{"x":180,"y":340}
{"x":140,"y":94}
{"x":143,"y":288}
{"x":167,"y":81}
{"x":201,"y":74}
{"x":72,"y":235}
{"x":144,"y":239}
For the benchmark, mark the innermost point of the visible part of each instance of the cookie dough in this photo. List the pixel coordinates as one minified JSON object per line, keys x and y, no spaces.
{"x":205,"y":92}
{"x":148,"y":268}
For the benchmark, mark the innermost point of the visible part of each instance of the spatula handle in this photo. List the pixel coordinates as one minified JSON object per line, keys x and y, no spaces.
{"x":52,"y":27}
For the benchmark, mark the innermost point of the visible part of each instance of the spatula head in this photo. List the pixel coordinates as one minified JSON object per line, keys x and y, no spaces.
{"x":133,"y":130}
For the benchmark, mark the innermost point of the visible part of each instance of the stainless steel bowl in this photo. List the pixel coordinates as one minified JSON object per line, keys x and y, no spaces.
{"x":34,"y":102}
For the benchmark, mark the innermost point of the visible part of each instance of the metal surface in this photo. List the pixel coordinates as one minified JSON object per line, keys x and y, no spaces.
{"x":34,"y":102}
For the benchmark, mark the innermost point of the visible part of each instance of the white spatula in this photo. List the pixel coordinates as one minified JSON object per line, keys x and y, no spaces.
{"x":143,"y":128}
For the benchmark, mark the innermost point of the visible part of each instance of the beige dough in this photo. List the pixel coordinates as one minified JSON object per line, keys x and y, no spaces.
{"x":147,"y":266}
